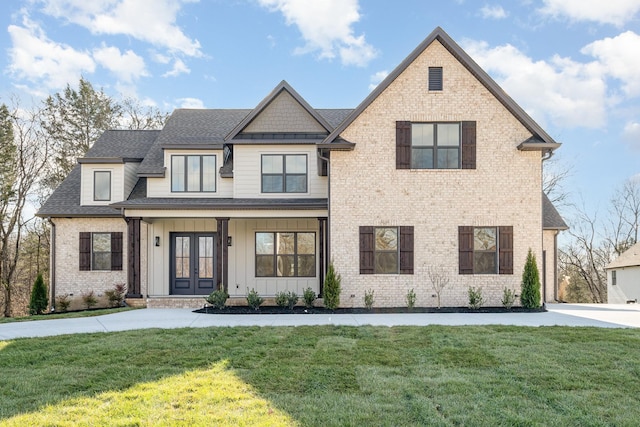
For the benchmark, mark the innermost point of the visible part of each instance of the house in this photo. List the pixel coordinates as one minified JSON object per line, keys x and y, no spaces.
{"x":623,"y":277}
{"x":437,"y":171}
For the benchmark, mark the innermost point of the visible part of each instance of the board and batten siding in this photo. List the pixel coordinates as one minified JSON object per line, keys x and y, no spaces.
{"x":161,"y":187}
{"x":117,"y":183}
{"x":247,"y":181}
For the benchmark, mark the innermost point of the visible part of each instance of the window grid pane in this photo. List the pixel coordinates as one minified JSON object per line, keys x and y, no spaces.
{"x":209,"y":173}
{"x":177,"y":173}
{"x":101,"y":251}
{"x":485,"y":250}
{"x":435,"y":145}
{"x":285,"y":254}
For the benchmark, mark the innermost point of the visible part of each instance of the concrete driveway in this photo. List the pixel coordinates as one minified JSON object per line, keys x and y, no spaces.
{"x":597,"y":315}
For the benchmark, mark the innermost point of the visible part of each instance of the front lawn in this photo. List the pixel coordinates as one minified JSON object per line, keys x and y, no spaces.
{"x":325,"y":375}
{"x":66,"y":315}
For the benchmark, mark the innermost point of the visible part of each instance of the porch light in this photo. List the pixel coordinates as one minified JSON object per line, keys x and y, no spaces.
{"x":157,"y":240}
{"x":229,"y":241}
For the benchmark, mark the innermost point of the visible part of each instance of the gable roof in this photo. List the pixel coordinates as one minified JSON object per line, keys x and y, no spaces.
{"x":629,"y":258}
{"x":283,"y":86}
{"x":541,"y":138}
{"x":551,"y":219}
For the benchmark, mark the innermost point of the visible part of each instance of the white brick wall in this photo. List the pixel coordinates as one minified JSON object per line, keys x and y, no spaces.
{"x":366,"y":188}
{"x":69,"y":278}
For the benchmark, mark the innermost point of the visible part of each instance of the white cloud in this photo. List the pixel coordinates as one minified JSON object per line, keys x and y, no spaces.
{"x":560,"y":90}
{"x":493,"y":12}
{"x":152,"y":21}
{"x":127,"y":67}
{"x":190,"y":103}
{"x":620,"y":59}
{"x":377,"y":78}
{"x":179,"y":67}
{"x":616,"y":12}
{"x":631,"y":134}
{"x":36,"y":58}
{"x":327,"y":28}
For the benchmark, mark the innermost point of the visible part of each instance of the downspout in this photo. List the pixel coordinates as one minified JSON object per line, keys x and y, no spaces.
{"x":327,"y":243}
{"x":52,"y":265}
{"x":546,"y":156}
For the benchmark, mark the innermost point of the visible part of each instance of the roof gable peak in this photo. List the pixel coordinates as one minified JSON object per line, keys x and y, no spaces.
{"x":282,"y":88}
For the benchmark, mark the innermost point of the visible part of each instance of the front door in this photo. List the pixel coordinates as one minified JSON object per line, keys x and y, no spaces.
{"x":193,"y":263}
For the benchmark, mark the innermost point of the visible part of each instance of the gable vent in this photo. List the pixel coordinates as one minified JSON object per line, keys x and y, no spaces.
{"x":435,"y":78}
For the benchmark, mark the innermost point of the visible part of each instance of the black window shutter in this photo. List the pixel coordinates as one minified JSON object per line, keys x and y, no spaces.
{"x":406,"y":250}
{"x":85,"y":251}
{"x":403,"y":145}
{"x":465,"y":250}
{"x":505,"y":249}
{"x":116,"y":251}
{"x":435,"y":78}
{"x":468,"y":145}
{"x":366,"y":250}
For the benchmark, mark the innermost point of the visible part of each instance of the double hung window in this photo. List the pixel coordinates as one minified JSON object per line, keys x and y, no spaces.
{"x":285,"y":254}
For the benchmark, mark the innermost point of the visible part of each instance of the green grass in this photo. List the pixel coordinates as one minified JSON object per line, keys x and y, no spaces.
{"x":324,"y":376}
{"x":68,"y":315}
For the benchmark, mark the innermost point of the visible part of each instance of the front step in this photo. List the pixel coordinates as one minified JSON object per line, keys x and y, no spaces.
{"x":173,"y":301}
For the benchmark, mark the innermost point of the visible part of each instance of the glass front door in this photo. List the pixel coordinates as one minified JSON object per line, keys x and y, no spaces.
{"x":193,"y":266}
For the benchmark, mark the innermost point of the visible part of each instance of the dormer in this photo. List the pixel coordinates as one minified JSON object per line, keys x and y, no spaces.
{"x":106,"y":180}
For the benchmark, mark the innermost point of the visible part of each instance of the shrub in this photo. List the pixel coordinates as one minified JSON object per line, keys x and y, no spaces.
{"x":63,"y":302}
{"x":286,"y":299}
{"x":309,"y":296}
{"x":475,"y":298}
{"x":254,"y":300}
{"x":89,"y":299}
{"x":332,"y":288}
{"x":530,"y":293}
{"x":38,"y":303}
{"x":218,"y":299}
{"x":115,"y":296}
{"x":411,"y":299}
{"x":508,"y":298}
{"x":368,"y":299}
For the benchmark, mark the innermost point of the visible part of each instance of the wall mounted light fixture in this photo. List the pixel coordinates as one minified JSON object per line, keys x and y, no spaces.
{"x":157,"y":240}
{"x":229,"y":241}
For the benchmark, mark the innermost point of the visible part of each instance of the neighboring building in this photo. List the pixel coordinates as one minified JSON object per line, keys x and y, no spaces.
{"x":437,"y":167}
{"x":623,"y":277}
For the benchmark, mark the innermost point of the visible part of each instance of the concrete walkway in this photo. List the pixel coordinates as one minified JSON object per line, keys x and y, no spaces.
{"x":598,"y":315}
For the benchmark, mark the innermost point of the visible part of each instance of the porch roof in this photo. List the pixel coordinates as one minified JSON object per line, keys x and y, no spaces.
{"x":175,"y":204}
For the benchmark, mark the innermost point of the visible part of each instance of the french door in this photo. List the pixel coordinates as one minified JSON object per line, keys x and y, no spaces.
{"x":193,"y":263}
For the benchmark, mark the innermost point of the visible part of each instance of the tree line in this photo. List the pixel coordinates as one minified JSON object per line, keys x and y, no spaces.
{"x":39,"y":146}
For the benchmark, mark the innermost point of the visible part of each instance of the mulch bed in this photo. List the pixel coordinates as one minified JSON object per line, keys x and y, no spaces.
{"x":321,"y":310}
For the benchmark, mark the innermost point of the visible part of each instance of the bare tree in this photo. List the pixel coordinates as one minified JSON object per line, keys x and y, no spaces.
{"x":136,"y":116}
{"x":439,"y":280}
{"x":624,"y":219}
{"x":24,"y":165}
{"x":554,"y":175}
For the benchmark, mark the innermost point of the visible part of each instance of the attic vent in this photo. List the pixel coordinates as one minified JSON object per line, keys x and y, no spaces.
{"x":435,"y":78}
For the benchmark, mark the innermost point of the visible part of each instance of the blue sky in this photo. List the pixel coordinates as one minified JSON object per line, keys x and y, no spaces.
{"x":574,"y":65}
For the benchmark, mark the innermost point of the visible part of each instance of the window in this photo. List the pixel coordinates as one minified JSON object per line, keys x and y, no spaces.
{"x":100,"y":251}
{"x":386,"y":250}
{"x":193,"y":174}
{"x":614,"y":281}
{"x":435,"y":78}
{"x":485,"y":250}
{"x":101,"y":185}
{"x":285,"y":254}
{"x":436,"y":145}
{"x":284,"y":173}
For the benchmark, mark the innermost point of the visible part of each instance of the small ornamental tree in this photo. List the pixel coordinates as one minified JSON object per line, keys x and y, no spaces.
{"x":530,"y":293}
{"x":332,"y":289}
{"x":38,"y":303}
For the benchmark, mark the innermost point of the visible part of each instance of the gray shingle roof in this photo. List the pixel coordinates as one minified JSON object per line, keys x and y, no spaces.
{"x":551,"y":219}
{"x":65,"y":200}
{"x":629,"y":258}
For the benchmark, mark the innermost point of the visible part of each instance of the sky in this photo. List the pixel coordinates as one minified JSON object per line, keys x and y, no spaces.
{"x":573,"y":65}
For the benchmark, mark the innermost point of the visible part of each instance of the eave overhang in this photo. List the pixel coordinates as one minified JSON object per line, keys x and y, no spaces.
{"x":108,"y":160}
{"x":538,"y":146}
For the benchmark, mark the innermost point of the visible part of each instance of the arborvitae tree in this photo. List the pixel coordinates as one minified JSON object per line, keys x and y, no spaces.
{"x":530,"y":292}
{"x":38,"y":303}
{"x":332,"y":289}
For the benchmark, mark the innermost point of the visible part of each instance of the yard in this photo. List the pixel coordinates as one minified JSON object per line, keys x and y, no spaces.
{"x":492,"y":375}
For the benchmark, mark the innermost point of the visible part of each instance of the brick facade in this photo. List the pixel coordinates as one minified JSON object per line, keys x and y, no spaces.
{"x":368,"y":190}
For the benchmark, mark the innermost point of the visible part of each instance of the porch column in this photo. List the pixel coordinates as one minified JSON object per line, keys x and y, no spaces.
{"x":222,"y":259}
{"x":133,"y":258}
{"x":322,"y":240}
